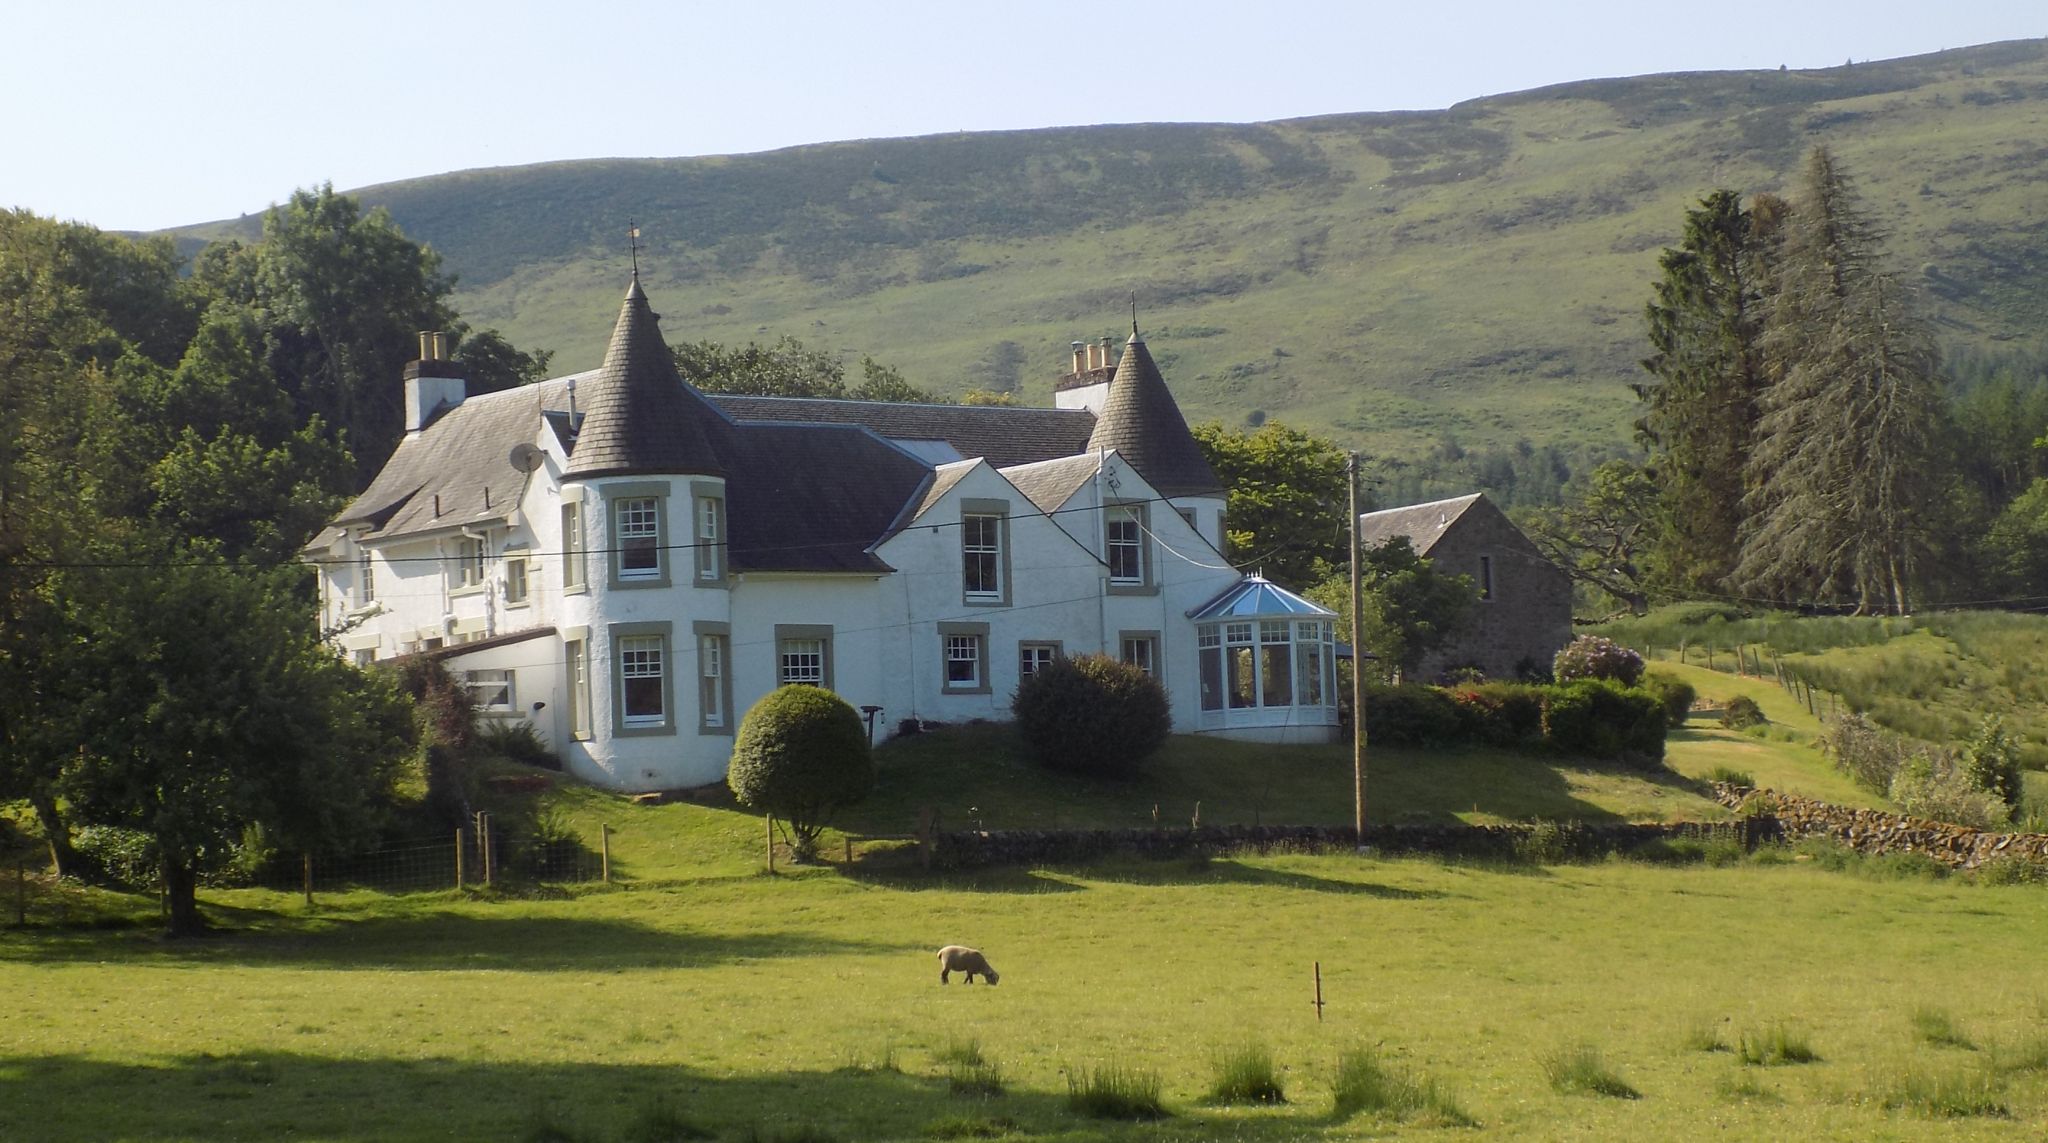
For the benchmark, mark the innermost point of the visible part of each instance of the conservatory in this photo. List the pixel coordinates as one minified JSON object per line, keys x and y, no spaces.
{"x":1268,"y":662}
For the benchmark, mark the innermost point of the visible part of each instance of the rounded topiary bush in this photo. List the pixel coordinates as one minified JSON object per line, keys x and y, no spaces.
{"x":1092,"y":715}
{"x":1675,"y":693}
{"x":1597,"y":657}
{"x":801,"y":753}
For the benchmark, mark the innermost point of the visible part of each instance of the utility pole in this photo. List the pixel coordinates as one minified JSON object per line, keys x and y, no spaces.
{"x":1357,"y":662}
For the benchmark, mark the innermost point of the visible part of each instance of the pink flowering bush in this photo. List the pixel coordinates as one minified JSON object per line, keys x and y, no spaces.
{"x":1597,"y":657}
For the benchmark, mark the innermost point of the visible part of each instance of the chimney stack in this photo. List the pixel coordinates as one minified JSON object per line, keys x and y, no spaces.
{"x":433,"y":384}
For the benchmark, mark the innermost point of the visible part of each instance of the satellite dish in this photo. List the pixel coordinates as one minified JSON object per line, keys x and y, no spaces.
{"x":526,"y":457}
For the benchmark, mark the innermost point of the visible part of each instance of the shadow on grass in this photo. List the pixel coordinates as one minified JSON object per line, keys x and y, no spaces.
{"x":1224,"y":871}
{"x":442,"y":941}
{"x":351,"y":1099}
{"x":901,"y":872}
{"x":1063,"y":877}
{"x":279,"y":1095}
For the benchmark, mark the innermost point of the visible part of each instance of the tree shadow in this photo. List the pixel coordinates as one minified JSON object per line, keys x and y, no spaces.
{"x":440,"y":941}
{"x":1225,"y":871}
{"x":891,"y":872}
{"x":279,"y":1095}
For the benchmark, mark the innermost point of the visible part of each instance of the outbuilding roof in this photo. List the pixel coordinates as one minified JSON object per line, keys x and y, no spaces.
{"x":1423,"y":524}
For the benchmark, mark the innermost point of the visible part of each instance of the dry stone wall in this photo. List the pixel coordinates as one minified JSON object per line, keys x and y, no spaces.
{"x":1877,"y":832}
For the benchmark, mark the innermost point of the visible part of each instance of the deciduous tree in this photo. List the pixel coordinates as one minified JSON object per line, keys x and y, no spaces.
{"x":1286,"y":514}
{"x":206,"y":704}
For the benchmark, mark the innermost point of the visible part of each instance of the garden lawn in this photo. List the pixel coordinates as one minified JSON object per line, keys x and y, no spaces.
{"x":811,"y":1002}
{"x":1781,"y":755}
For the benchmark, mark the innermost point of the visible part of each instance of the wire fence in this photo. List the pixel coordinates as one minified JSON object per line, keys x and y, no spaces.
{"x":476,"y":857}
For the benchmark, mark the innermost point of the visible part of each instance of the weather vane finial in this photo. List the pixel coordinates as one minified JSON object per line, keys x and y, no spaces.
{"x":633,"y":241}
{"x":1134,"y":313}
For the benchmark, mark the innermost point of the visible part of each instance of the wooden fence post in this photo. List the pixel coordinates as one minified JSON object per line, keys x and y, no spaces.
{"x":769,"y":823}
{"x":604,"y":851}
{"x":1319,"y":992}
{"x":461,"y":844}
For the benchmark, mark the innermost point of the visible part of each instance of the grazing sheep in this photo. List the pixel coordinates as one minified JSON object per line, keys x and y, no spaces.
{"x":961,"y":959}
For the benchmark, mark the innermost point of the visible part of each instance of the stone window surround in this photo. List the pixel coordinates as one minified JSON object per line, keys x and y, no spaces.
{"x":665,"y":630}
{"x":982,"y":684}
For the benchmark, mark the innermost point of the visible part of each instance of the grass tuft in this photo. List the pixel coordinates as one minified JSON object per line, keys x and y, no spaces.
{"x":981,"y":1080}
{"x":1244,"y":1074}
{"x":1774,"y":1046}
{"x":1937,"y":1027}
{"x":1112,"y":1092}
{"x":1364,"y":1085}
{"x":1944,"y":1094}
{"x":966,"y":1051}
{"x":859,"y":1062}
{"x":1578,"y":1069}
{"x":1728,"y":775}
{"x":1702,"y":1036}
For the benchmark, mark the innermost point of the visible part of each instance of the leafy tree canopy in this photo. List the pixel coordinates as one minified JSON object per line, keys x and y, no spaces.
{"x":1287,"y":511}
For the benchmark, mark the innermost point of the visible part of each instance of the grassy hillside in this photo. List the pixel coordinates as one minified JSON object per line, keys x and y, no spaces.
{"x":1388,"y":278}
{"x":1934,"y":677}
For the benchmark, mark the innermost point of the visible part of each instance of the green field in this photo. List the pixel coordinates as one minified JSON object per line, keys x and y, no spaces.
{"x":806,"y":1005}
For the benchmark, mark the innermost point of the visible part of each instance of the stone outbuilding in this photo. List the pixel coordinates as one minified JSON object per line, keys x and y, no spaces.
{"x":1524,"y":614}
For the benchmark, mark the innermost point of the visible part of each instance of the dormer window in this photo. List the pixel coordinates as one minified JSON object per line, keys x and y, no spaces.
{"x":984,"y":554}
{"x":981,"y":556}
{"x":1124,"y":545}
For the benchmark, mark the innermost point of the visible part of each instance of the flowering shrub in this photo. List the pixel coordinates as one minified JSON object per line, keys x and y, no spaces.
{"x":1597,"y":657}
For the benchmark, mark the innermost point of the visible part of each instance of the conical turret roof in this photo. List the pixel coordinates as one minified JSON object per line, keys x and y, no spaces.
{"x":639,"y":415}
{"x":1140,"y":420}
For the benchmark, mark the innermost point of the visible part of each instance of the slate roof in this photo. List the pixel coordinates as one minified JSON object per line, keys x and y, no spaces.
{"x":1004,"y":435}
{"x":1050,"y":483}
{"x":639,"y":415}
{"x":1423,"y":524}
{"x":462,"y":460}
{"x":944,"y":477}
{"x":1140,"y":420}
{"x":1255,"y":595}
{"x":814,"y":497}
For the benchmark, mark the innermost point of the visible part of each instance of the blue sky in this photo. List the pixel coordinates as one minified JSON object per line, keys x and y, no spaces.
{"x":144,"y":115}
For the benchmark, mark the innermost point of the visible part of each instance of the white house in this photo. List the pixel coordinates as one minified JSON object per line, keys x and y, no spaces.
{"x":631,"y":563}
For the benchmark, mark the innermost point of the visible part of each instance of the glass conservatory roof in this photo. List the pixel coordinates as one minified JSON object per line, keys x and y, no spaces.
{"x":1256,"y":596}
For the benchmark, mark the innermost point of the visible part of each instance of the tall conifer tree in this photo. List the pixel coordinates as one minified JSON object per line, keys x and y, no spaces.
{"x":1705,"y":323}
{"x":1841,"y":480}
